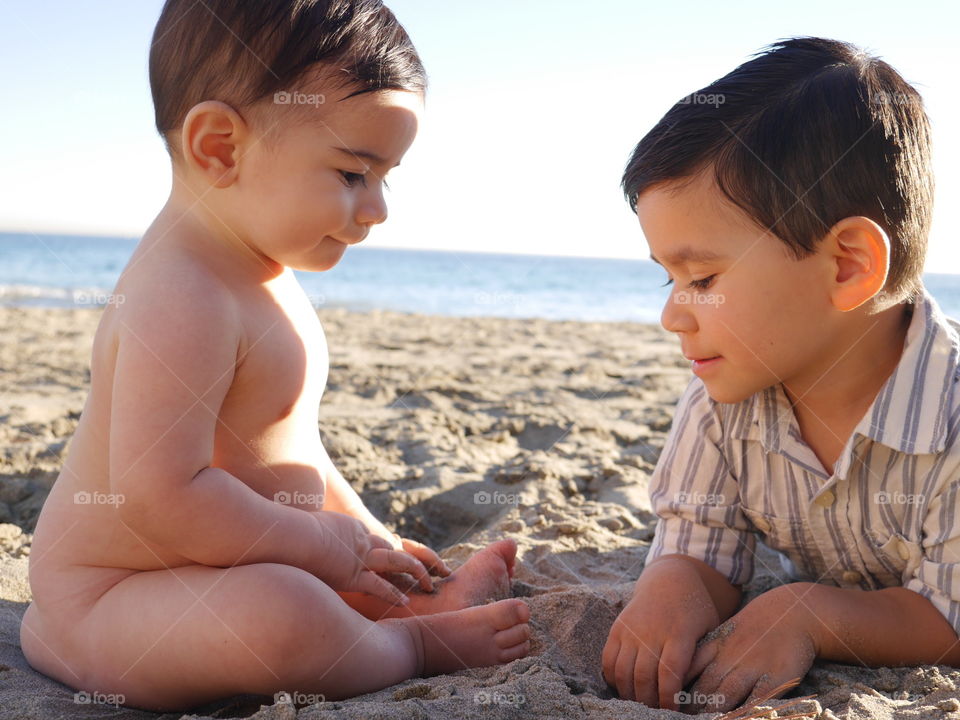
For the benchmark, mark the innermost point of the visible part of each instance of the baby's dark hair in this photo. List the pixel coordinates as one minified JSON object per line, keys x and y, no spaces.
{"x":807,"y":133}
{"x":242,"y":52}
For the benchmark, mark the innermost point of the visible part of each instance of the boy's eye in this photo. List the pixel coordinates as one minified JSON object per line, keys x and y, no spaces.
{"x":702,"y":284}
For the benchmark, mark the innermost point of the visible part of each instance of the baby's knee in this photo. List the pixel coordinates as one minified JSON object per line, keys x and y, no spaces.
{"x":291,"y":612}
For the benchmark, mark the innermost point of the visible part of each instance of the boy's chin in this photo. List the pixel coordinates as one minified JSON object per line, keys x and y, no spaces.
{"x":725,"y":395}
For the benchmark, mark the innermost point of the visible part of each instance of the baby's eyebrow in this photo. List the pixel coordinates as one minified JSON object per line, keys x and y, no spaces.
{"x":689,"y":254}
{"x":365,"y":155}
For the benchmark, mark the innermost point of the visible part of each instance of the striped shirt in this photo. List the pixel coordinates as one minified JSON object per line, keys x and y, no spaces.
{"x":885,"y":517}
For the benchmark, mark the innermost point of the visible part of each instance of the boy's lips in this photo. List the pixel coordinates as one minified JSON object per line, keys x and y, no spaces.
{"x":699,"y":364}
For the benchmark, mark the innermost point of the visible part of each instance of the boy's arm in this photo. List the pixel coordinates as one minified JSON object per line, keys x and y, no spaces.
{"x":864,"y":627}
{"x":726,"y":597}
{"x":928,"y":603}
{"x":176,"y":354}
{"x":702,"y":551}
{"x":697,"y":498}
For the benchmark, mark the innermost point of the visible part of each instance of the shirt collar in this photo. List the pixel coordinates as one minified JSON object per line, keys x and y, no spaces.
{"x":910,"y":412}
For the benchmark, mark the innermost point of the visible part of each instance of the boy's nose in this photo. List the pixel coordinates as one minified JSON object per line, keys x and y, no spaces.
{"x":676,"y":316}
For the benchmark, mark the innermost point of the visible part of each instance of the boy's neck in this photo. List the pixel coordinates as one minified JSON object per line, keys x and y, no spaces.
{"x":838,"y":392}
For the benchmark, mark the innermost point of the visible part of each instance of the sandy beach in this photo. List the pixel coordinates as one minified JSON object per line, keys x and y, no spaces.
{"x":456,"y":432}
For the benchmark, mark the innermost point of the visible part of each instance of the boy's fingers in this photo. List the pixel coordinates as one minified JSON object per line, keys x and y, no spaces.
{"x":704,"y":655}
{"x":645,"y":681}
{"x":674,"y":660}
{"x":623,"y":672}
{"x":608,"y":660}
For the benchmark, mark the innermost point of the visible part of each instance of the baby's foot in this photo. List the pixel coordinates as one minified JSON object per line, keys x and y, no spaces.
{"x":484,"y":577}
{"x":474,"y":637}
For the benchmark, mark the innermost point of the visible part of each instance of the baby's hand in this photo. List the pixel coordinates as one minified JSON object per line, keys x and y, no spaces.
{"x":433,"y":562}
{"x":352,"y":557}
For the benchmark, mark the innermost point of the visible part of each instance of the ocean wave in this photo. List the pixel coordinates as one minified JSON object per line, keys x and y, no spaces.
{"x":56,"y":296}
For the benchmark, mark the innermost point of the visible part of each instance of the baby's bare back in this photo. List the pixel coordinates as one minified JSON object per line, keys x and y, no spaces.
{"x":266,"y":428}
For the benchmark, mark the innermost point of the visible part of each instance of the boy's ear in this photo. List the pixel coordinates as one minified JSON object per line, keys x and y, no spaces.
{"x":859,"y":254}
{"x":212,"y":138}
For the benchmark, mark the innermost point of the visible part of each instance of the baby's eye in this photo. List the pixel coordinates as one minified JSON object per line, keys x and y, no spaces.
{"x":354,"y":178}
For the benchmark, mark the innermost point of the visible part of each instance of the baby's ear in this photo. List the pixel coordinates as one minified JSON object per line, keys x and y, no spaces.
{"x":212,"y":139}
{"x":859,"y":251}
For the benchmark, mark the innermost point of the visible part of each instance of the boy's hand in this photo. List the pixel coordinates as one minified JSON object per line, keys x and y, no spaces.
{"x":651,"y":643}
{"x":770,"y":642}
{"x":353,"y":557}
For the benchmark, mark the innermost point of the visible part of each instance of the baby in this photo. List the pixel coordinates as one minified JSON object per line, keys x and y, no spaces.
{"x":198,"y":542}
{"x":790,"y":202}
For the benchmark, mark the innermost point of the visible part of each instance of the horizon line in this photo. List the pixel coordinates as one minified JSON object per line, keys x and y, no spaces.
{"x":376,"y":246}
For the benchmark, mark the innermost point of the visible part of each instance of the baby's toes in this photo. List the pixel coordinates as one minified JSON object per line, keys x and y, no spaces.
{"x":507,"y":613}
{"x":512,"y":636}
{"x":514,"y":653}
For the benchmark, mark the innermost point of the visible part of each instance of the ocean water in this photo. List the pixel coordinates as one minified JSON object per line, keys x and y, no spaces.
{"x":56,"y":271}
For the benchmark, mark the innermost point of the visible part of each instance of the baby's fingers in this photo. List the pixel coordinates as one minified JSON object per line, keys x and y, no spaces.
{"x":428,"y":557}
{"x":394,"y":561}
{"x":371,"y":583}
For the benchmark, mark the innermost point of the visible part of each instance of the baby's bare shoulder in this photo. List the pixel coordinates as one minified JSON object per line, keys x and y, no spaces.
{"x":170,"y":295}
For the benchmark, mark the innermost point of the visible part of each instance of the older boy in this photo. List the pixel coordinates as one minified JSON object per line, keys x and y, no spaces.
{"x":792,"y":211}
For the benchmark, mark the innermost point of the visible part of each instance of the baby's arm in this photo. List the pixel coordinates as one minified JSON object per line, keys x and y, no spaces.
{"x":177,"y":348}
{"x":342,"y":498}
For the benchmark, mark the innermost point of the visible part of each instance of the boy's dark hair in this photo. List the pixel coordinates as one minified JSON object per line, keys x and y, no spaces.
{"x":807,"y":133}
{"x":244,"y":51}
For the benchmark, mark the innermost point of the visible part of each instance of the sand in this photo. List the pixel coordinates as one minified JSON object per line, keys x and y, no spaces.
{"x":456,"y":432}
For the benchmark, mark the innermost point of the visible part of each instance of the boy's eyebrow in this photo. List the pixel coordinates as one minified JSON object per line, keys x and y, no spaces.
{"x":365,"y":155}
{"x":687,"y":254}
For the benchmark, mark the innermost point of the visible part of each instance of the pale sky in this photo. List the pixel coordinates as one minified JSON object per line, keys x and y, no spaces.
{"x":533,"y":109}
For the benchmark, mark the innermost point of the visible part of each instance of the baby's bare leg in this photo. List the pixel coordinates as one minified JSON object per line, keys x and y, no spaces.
{"x":174,"y":639}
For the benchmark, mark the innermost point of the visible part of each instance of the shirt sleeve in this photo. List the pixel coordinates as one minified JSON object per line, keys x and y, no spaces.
{"x":937,"y":576}
{"x":695,"y":495}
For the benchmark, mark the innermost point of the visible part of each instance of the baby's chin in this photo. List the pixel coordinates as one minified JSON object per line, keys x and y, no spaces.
{"x":321,"y":258}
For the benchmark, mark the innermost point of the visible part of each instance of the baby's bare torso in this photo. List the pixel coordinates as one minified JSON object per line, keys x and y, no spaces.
{"x":266,"y":435}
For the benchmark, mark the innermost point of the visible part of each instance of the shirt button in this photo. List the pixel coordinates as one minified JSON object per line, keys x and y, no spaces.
{"x":902,"y":550}
{"x":762,"y":525}
{"x":851,"y":576}
{"x":826,"y":499}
